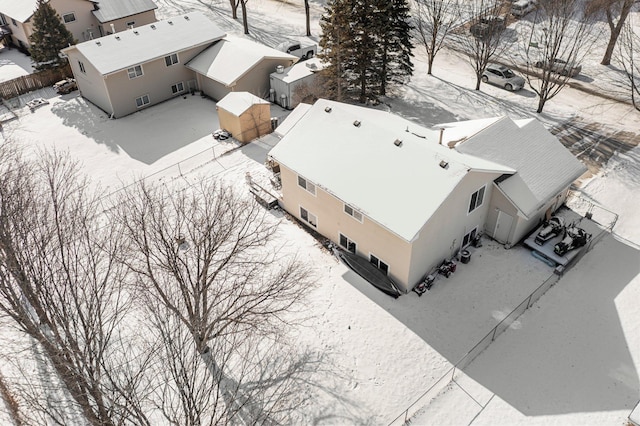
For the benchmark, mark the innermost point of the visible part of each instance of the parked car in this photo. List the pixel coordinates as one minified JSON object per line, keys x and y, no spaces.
{"x":560,"y":66}
{"x":302,"y":50}
{"x":65,"y":86}
{"x":487,"y":26}
{"x":503,"y":77}
{"x":522,"y":7}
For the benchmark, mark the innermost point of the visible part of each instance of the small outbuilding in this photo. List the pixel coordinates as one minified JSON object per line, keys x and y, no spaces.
{"x":290,"y":86}
{"x":244,"y":115}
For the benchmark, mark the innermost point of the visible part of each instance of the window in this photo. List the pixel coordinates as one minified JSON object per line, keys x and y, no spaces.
{"x":310,"y":218}
{"x":68,"y":17}
{"x":135,"y":71}
{"x":142,"y":101}
{"x":379,"y":264}
{"x":468,"y":238}
{"x":476,"y":199}
{"x":171,"y":59}
{"x":347,"y":243}
{"x":307,"y":185}
{"x":177,"y":88}
{"x":82,"y":68}
{"x":353,"y":213}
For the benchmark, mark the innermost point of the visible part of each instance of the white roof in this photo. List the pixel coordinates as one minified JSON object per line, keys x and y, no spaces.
{"x":122,"y":50}
{"x":238,"y":102}
{"x":229,"y":59}
{"x":544,"y":165}
{"x":299,"y":70}
{"x":20,"y":10}
{"x":292,"y":119}
{"x":110,"y":10}
{"x":399,"y":187}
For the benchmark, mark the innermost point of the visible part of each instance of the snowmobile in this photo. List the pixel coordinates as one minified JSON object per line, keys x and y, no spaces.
{"x":574,"y":237}
{"x":551,"y":228}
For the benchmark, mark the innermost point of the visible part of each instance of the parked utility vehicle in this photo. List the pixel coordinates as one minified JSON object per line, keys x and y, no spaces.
{"x":302,"y":50}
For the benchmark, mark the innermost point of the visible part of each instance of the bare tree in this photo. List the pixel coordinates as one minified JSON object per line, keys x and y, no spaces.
{"x":629,"y":43}
{"x":205,"y":253}
{"x":234,"y":8}
{"x":61,"y":284}
{"x":435,"y":19}
{"x":245,"y":22}
{"x":554,"y":45}
{"x":482,"y":38}
{"x":307,"y":15}
{"x":616,"y":13}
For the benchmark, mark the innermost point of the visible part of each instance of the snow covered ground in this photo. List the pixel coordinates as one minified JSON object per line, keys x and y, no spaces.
{"x":573,"y":358}
{"x":13,"y":64}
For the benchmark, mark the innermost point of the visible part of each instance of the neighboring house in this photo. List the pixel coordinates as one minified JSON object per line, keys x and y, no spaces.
{"x":244,"y":115}
{"x":124,"y":72}
{"x":236,"y":65}
{"x":289,"y":86}
{"x":85,"y":19}
{"x":397,"y":194}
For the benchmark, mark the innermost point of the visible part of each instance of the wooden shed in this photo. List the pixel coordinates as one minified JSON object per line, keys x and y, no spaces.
{"x":244,"y":115}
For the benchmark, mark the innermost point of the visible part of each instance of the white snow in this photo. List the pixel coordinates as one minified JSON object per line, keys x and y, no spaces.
{"x":572,"y":358}
{"x":238,"y":102}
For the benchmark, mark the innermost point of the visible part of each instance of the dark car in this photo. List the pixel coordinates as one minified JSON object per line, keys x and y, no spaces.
{"x":487,"y":26}
{"x":65,"y":86}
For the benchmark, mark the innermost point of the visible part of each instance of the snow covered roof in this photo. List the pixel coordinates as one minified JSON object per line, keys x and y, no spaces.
{"x":20,"y":10}
{"x":238,"y":102}
{"x":292,"y":119}
{"x":229,"y":59}
{"x":299,"y":70}
{"x":544,"y":165}
{"x":122,"y":50}
{"x":110,"y":10}
{"x":383,"y":165}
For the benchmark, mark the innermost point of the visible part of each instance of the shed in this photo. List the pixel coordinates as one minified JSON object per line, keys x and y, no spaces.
{"x":244,"y":115}
{"x":288,"y":84}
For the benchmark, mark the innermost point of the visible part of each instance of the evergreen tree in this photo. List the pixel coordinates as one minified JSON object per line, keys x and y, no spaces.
{"x":49,"y":37}
{"x":366,"y":44}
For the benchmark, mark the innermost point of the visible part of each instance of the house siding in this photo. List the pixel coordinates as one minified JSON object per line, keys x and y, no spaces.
{"x":443,"y":233}
{"x":85,"y":26}
{"x":140,"y":19}
{"x":289,"y":90}
{"x":256,"y":81}
{"x":91,"y":83}
{"x":369,"y":236}
{"x":213,"y":89}
{"x":20,"y":32}
{"x":500,"y":203}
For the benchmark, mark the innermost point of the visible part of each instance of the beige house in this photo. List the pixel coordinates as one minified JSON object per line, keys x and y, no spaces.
{"x":244,"y":115}
{"x":406,"y":197}
{"x":237,"y":64}
{"x":133,"y":69}
{"x":85,"y":19}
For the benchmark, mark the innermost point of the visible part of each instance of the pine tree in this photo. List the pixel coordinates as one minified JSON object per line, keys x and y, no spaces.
{"x":366,"y":44}
{"x":48,"y":38}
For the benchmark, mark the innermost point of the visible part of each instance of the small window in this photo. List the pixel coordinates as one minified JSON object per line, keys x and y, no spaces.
{"x":81,"y":66}
{"x":310,"y":218}
{"x":142,"y":101}
{"x":476,"y":199}
{"x":307,"y":185}
{"x":135,"y":71}
{"x":346,"y":243}
{"x":466,"y":240}
{"x":130,"y":24}
{"x":177,"y":88}
{"x":379,"y":264}
{"x":13,"y":21}
{"x":353,"y":212}
{"x":68,"y":17}
{"x":171,"y":59}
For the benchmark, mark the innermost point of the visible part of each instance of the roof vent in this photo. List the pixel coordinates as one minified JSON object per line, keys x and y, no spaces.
{"x":280,"y":69}
{"x":356,"y":123}
{"x":153,"y":27}
{"x":186,"y":18}
{"x":327,"y":109}
{"x":136,"y":33}
{"x":170,"y":22}
{"x":444,"y":164}
{"x":98,"y":43}
{"x":117,"y":37}
{"x":397,"y":142}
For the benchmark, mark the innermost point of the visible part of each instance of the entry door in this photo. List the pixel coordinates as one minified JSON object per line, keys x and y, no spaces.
{"x":503,"y":227}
